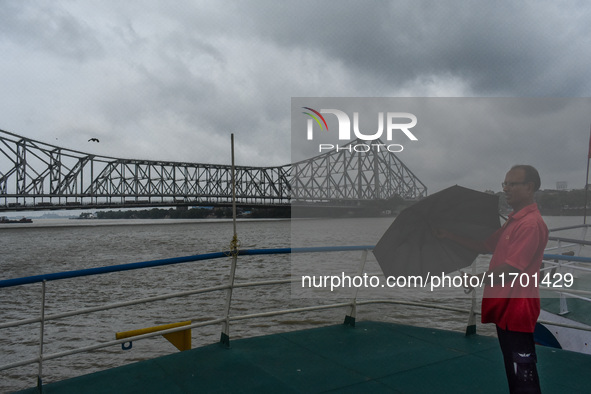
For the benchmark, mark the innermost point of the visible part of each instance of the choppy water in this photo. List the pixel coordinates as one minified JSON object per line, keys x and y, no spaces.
{"x":60,"y":245}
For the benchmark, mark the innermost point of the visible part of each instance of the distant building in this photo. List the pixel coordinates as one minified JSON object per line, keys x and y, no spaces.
{"x":562,"y":185}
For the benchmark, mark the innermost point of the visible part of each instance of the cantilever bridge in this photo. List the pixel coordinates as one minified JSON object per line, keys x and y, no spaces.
{"x":39,"y":176}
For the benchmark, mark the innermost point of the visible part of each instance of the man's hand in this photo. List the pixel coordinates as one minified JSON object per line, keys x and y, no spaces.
{"x":468,"y":243}
{"x":441,"y":233}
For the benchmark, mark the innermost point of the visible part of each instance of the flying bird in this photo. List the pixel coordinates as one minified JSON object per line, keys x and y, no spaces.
{"x":94,"y":140}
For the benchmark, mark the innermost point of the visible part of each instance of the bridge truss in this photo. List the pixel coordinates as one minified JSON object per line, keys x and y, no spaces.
{"x":39,"y":176}
{"x":347,"y":175}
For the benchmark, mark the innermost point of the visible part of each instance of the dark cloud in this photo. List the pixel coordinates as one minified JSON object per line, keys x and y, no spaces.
{"x":50,"y":29}
{"x":505,"y":48}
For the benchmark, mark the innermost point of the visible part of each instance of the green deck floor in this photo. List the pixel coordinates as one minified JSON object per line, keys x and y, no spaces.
{"x":370,"y":358}
{"x":578,"y":310}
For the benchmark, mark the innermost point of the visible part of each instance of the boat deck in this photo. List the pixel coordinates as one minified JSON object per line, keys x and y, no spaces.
{"x":578,"y":309}
{"x":371,"y":357}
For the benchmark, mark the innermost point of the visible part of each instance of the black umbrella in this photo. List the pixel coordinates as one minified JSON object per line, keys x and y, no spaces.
{"x":410,"y":247}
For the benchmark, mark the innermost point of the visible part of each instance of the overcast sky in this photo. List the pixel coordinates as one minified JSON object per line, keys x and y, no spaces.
{"x":170,"y":81}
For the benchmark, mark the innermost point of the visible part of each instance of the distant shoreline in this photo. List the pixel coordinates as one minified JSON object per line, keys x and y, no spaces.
{"x":64,"y":222}
{"x":67,"y":222}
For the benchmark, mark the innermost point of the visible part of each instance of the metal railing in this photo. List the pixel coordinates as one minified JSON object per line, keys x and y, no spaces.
{"x":352,"y":304}
{"x":45,"y":278}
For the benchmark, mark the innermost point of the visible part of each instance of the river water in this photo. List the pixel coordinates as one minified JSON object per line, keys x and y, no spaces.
{"x":53,"y":245}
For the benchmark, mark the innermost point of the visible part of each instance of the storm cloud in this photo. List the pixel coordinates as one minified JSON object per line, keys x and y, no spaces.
{"x":171,"y":81}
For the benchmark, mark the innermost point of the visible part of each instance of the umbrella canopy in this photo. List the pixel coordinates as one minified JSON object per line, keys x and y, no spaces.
{"x":409,"y":246}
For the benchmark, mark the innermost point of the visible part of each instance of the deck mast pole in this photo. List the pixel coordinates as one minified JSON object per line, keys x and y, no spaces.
{"x":225,"y":335}
{"x":233,"y":189}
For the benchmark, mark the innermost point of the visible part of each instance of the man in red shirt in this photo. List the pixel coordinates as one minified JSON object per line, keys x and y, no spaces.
{"x":514,"y":306}
{"x":511,"y":297}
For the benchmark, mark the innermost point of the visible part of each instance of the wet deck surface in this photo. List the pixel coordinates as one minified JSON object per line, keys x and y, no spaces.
{"x":371,"y":357}
{"x":579,"y":310}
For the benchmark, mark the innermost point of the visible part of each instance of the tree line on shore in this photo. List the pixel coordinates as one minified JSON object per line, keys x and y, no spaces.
{"x":562,"y":202}
{"x":554,"y":202}
{"x":550,"y":202}
{"x":193,"y":213}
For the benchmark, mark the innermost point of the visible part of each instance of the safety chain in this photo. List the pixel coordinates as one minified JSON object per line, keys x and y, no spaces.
{"x":234,"y":247}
